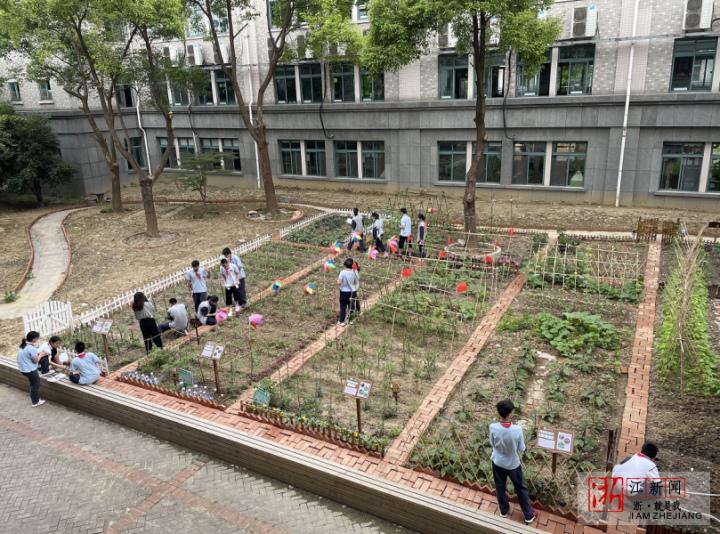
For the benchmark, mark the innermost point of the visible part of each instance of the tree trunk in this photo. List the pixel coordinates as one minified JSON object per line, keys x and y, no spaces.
{"x":37,"y":191}
{"x":117,"y":205}
{"x":271,"y":203}
{"x":146,"y":188}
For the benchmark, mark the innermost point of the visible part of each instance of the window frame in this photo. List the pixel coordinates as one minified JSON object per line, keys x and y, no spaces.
{"x":201,"y":100}
{"x":363,"y":76}
{"x":186,"y":145}
{"x":490,"y":66}
{"x":452,"y":152}
{"x":494,"y":153}
{"x":313,"y":150}
{"x":683,"y":157}
{"x":285,"y":77}
{"x":555,"y":153}
{"x":529,"y":154}
{"x":295,"y":156}
{"x":231,"y":145}
{"x":136,"y":143}
{"x":453,"y":68}
{"x":44,"y":88}
{"x":350,"y":155}
{"x":694,"y":55}
{"x":536,"y":80}
{"x":588,"y":64}
{"x":346,"y":70}
{"x":370,"y":150}
{"x":313,"y":78}
{"x":172,"y":160}
{"x":14,"y":88}
{"x":228,"y":87}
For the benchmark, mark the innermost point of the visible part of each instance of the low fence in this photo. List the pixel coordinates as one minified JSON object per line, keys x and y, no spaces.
{"x":49,"y":318}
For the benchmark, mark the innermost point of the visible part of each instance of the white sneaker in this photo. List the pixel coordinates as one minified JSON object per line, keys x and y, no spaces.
{"x":237,"y":308}
{"x":40,"y":403}
{"x":340,"y":324}
{"x":50,"y":372}
{"x":385,"y":255}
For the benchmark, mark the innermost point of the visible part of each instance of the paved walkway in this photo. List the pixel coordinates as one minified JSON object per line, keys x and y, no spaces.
{"x":52,"y":255}
{"x":65,"y":471}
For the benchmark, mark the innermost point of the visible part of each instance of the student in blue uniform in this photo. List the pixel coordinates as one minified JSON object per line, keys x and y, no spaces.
{"x":231,"y":281}
{"x":235,"y":259}
{"x":196,"y":283}
{"x":83,"y":368}
{"x":357,"y":226}
{"x":349,"y":282}
{"x":377,"y":233}
{"x":405,"y":230}
{"x":27,"y":360}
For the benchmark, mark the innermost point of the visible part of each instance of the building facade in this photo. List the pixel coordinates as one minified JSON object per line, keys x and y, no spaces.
{"x":555,"y":136}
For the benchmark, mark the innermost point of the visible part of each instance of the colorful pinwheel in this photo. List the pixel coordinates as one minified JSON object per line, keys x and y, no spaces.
{"x":432,"y":210}
{"x":277,"y":285}
{"x":355,"y":236}
{"x":309,"y":289}
{"x":372,"y":253}
{"x":393,"y":244}
{"x":335,"y":248}
{"x":328,"y":266}
{"x":255,"y":320}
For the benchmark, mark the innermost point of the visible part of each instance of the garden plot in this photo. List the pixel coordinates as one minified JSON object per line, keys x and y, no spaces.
{"x":323,"y":232}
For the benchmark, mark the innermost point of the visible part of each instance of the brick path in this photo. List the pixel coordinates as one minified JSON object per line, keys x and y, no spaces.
{"x":404,"y":444}
{"x":632,"y":435}
{"x":65,"y":471}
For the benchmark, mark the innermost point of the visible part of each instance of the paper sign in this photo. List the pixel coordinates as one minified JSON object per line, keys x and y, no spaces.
{"x":213,"y":351}
{"x":351,"y":388}
{"x":185,"y":377}
{"x":357,"y":389}
{"x":261,"y":397}
{"x":556,"y":440}
{"x":208,"y":350}
{"x":364,"y":391}
{"x":102,"y":326}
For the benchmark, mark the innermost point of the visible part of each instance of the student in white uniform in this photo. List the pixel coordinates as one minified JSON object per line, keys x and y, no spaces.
{"x":357,"y":226}
{"x":177,"y":317}
{"x":377,"y":233}
{"x":422,"y":234}
{"x":635,"y":469}
{"x":196,"y":283}
{"x":48,"y":352}
{"x":208,"y":310}
{"x":349,"y":282}
{"x":231,"y":280}
{"x":234,"y":258}
{"x":405,"y":229}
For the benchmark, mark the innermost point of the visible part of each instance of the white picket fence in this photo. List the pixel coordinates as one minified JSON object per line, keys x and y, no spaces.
{"x":49,"y":318}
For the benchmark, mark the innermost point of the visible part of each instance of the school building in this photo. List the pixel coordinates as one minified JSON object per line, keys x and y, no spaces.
{"x":555,"y":136}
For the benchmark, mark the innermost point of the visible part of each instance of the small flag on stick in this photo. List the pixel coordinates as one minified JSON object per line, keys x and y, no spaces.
{"x":406,"y":273}
{"x":461,"y":287}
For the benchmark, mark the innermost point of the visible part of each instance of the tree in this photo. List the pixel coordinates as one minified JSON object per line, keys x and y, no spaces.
{"x":401,"y":31}
{"x":29,"y":158}
{"x":200,"y":164}
{"x":324,"y":27}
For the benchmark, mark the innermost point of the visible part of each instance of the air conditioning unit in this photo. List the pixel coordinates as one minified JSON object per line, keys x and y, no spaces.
{"x":195,"y":55}
{"x":224,"y":52}
{"x":698,"y":14}
{"x":171,"y":53}
{"x":584,"y":22}
{"x":446,"y":38}
{"x":542,"y":14}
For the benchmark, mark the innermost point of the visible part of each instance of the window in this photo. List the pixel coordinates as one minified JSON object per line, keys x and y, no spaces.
{"x":232,"y":148}
{"x":45,"y":92}
{"x":372,"y":87}
{"x":204,"y":95}
{"x":14,"y":92}
{"x":452,"y":161}
{"x":493,"y":159}
{"x":346,"y":162}
{"x":315,"y":158}
{"x":172,"y":162}
{"x":285,"y":85}
{"x":311,"y":83}
{"x":343,"y":81}
{"x":208,"y":146}
{"x":538,"y":85}
{"x":452,"y":77}
{"x":528,"y":163}
{"x":225,"y":91}
{"x":373,"y":159}
{"x":136,"y":149}
{"x":290,"y":156}
{"x":681,"y":166}
{"x":362,"y":12}
{"x":186,"y":145}
{"x":179,"y":95}
{"x":117,"y":31}
{"x":693,"y":64}
{"x":568,"y":164}
{"x":220,"y":23}
{"x":275,"y":18}
{"x":494,"y":76}
{"x":124,"y":95}
{"x":575,"y":70}
{"x":196,"y":23}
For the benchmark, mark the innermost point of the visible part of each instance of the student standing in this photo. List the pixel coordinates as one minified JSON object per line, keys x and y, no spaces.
{"x":422,"y":232}
{"x":377,"y":233}
{"x":349,"y":282}
{"x":507,"y":441}
{"x":144,"y":313}
{"x":48,"y":353}
{"x":27,"y":359}
{"x":357,"y":226}
{"x":234,"y":258}
{"x":196,"y":283}
{"x":83,"y":369}
{"x":405,"y":229}
{"x":177,"y":317}
{"x":231,"y":280}
{"x":208,"y":310}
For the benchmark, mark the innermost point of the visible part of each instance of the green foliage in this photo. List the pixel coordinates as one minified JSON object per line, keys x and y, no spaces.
{"x":577,"y":332}
{"x":10,"y":296}
{"x":511,"y":323}
{"x":200,"y":165}
{"x":322,"y":232}
{"x":538,"y":241}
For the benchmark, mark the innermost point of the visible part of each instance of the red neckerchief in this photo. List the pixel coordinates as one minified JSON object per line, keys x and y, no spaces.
{"x":641,"y":455}
{"x":81,"y":355}
{"x":506,"y":425}
{"x":198,"y":275}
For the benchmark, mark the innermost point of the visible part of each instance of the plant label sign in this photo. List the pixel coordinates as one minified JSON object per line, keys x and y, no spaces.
{"x":261,"y":397}
{"x":185,"y":377}
{"x":357,"y":389}
{"x":556,"y":440}
{"x":102,"y":326}
{"x":213,"y":351}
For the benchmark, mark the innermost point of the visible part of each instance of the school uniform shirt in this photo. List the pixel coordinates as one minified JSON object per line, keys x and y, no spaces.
{"x":350,"y":280}
{"x":358,"y":220}
{"x":178,"y":312}
{"x":197,"y":280}
{"x":407,"y":222}
{"x":146,"y":313}
{"x":85,"y":363}
{"x":204,"y":309}
{"x":25,"y":359}
{"x":235,"y":259}
{"x":636,"y":467}
{"x":45,"y":347}
{"x":422,"y":227}
{"x":229,"y":274}
{"x":378,"y":227}
{"x":506,"y":442}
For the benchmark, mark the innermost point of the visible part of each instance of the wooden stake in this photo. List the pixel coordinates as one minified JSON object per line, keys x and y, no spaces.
{"x":554,"y":463}
{"x":359,"y":416}
{"x":107,"y":351}
{"x":217,"y":376}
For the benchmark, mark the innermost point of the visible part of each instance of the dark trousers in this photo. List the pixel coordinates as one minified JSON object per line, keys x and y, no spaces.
{"x":163,"y":327}
{"x":34,"y":386}
{"x":361,"y":243}
{"x":420,"y":249}
{"x":75,"y":378}
{"x":150,"y":333}
{"x":199,"y":298}
{"x":401,"y":243}
{"x":210,"y":321}
{"x":237,"y":293}
{"x":45,"y":364}
{"x":349,"y":298}
{"x":378,"y":242}
{"x":516,"y":477}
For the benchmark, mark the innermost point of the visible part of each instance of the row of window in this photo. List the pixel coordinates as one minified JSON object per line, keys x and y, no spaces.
{"x":43,"y":89}
{"x":353,"y":159}
{"x":186,"y":145}
{"x":309,"y":89}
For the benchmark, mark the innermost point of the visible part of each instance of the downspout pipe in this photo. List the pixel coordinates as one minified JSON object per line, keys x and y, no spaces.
{"x":627,"y":107}
{"x":257,"y":154}
{"x":145,"y":138}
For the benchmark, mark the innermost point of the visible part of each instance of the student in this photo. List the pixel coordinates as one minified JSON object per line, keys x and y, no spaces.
{"x":377,"y":233}
{"x":635,"y":469}
{"x":208,"y":310}
{"x":349,"y":282}
{"x":48,"y":352}
{"x":405,"y":229}
{"x":507,"y":441}
{"x":234,"y":258}
{"x":83,"y":368}
{"x":144,"y":311}
{"x":177,"y":317}
{"x":231,"y":280}
{"x":196,"y":283}
{"x":27,"y":359}
{"x":422,"y":231}
{"x":357,"y":226}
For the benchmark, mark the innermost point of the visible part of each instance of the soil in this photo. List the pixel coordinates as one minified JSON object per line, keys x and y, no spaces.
{"x":261,"y":214}
{"x":145,"y":241}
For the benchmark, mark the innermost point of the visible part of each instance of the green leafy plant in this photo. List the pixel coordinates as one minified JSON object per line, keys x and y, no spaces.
{"x":578,"y":331}
{"x":511,"y":323}
{"x":10,"y":296}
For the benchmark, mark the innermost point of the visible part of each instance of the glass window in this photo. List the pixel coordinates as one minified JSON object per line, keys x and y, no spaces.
{"x":311,"y":83}
{"x":275,"y":18}
{"x":493,"y":160}
{"x":372,"y":88}
{"x":568,"y":164}
{"x":210,"y":145}
{"x":315,"y":158}
{"x":45,"y":92}
{"x":346,"y":161}
{"x":528,"y":163}
{"x":681,"y":166}
{"x":204,"y":95}
{"x":452,"y":76}
{"x":220,"y":23}
{"x":136,"y":149}
{"x":575,"y":70}
{"x":225,"y":90}
{"x":693,"y":64}
{"x":285,"y":85}
{"x":290,"y":153}
{"x":124,"y":95}
{"x":186,"y":145}
{"x":362,"y":12}
{"x":373,"y":159}
{"x":196,"y":23}
{"x":231,"y":147}
{"x":343,"y":82}
{"x":538,"y":85}
{"x":452,"y":161}
{"x":14,"y":92}
{"x":172,"y":162}
{"x":494,"y":76}
{"x":179,"y":95}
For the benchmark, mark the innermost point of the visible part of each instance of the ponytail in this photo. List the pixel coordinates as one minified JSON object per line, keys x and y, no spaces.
{"x":23,"y":344}
{"x":31,"y":336}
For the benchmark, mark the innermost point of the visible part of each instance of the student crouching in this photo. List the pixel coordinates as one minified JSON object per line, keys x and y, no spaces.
{"x":208,"y":310}
{"x":49,"y":356}
{"x":83,"y":369}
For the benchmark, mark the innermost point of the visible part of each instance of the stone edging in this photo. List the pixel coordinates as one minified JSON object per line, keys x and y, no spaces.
{"x":302,"y":214}
{"x":149,"y":246}
{"x":170,"y":393}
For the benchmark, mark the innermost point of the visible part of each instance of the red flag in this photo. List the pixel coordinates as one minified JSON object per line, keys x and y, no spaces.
{"x":355,"y":267}
{"x":406,"y":273}
{"x":488,"y":259}
{"x":496,"y":244}
{"x":449,"y":241}
{"x":512,"y":231}
{"x":442,"y":254}
{"x":461,"y":287}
